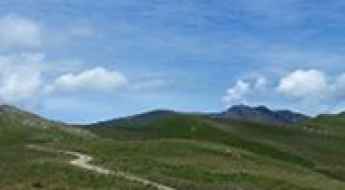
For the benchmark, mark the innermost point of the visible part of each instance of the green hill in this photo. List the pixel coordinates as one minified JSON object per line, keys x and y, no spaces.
{"x":286,"y":146}
{"x":24,"y":169}
{"x":183,"y":151}
{"x":332,"y":124}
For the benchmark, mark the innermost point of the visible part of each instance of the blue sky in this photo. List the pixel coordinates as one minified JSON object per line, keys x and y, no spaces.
{"x":84,"y":61}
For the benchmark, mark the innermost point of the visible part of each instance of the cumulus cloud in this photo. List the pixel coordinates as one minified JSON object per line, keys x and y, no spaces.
{"x":239,"y":93}
{"x":20,"y":77}
{"x":19,"y":32}
{"x":304,"y":84}
{"x":314,"y":89}
{"x":309,"y":90}
{"x":96,"y":79}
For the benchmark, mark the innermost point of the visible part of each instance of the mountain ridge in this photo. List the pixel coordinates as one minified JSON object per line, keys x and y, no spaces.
{"x":256,"y":114}
{"x":262,"y":114}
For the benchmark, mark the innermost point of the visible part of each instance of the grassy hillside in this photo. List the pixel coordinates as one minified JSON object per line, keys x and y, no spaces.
{"x":25,"y":169}
{"x":329,"y":124}
{"x":184,"y":151}
{"x":288,"y":150}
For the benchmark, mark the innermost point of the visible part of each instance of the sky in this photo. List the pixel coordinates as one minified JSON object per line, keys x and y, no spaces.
{"x":86,"y":61}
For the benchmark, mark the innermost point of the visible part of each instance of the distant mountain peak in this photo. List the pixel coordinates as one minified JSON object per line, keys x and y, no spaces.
{"x":262,"y":108}
{"x":262,"y":114}
{"x":239,"y":106}
{"x":242,"y":107}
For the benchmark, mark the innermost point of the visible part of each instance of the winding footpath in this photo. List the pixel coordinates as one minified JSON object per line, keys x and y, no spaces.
{"x":83,"y":161}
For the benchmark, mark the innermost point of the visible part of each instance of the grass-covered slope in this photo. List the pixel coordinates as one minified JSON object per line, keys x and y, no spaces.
{"x":287,"y":149}
{"x":332,"y":124}
{"x":24,"y":169}
{"x":183,"y":151}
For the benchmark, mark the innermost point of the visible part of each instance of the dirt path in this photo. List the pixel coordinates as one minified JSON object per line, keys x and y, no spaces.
{"x":83,"y":161}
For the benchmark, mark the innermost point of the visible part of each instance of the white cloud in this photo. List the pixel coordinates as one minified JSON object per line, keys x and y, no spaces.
{"x":239,"y":93}
{"x":314,"y":90}
{"x":20,"y":77}
{"x":304,"y":84}
{"x":97,"y":79}
{"x":306,"y":90}
{"x":19,"y":32}
{"x":260,"y":83}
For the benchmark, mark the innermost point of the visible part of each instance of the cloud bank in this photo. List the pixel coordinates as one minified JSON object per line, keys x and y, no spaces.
{"x":304,"y":88}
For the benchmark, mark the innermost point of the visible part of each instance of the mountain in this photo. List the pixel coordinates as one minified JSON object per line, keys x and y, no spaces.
{"x":261,"y":114}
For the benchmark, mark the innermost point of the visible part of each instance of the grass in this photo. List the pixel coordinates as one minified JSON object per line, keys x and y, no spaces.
{"x":183,"y":151}
{"x":329,"y":124}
